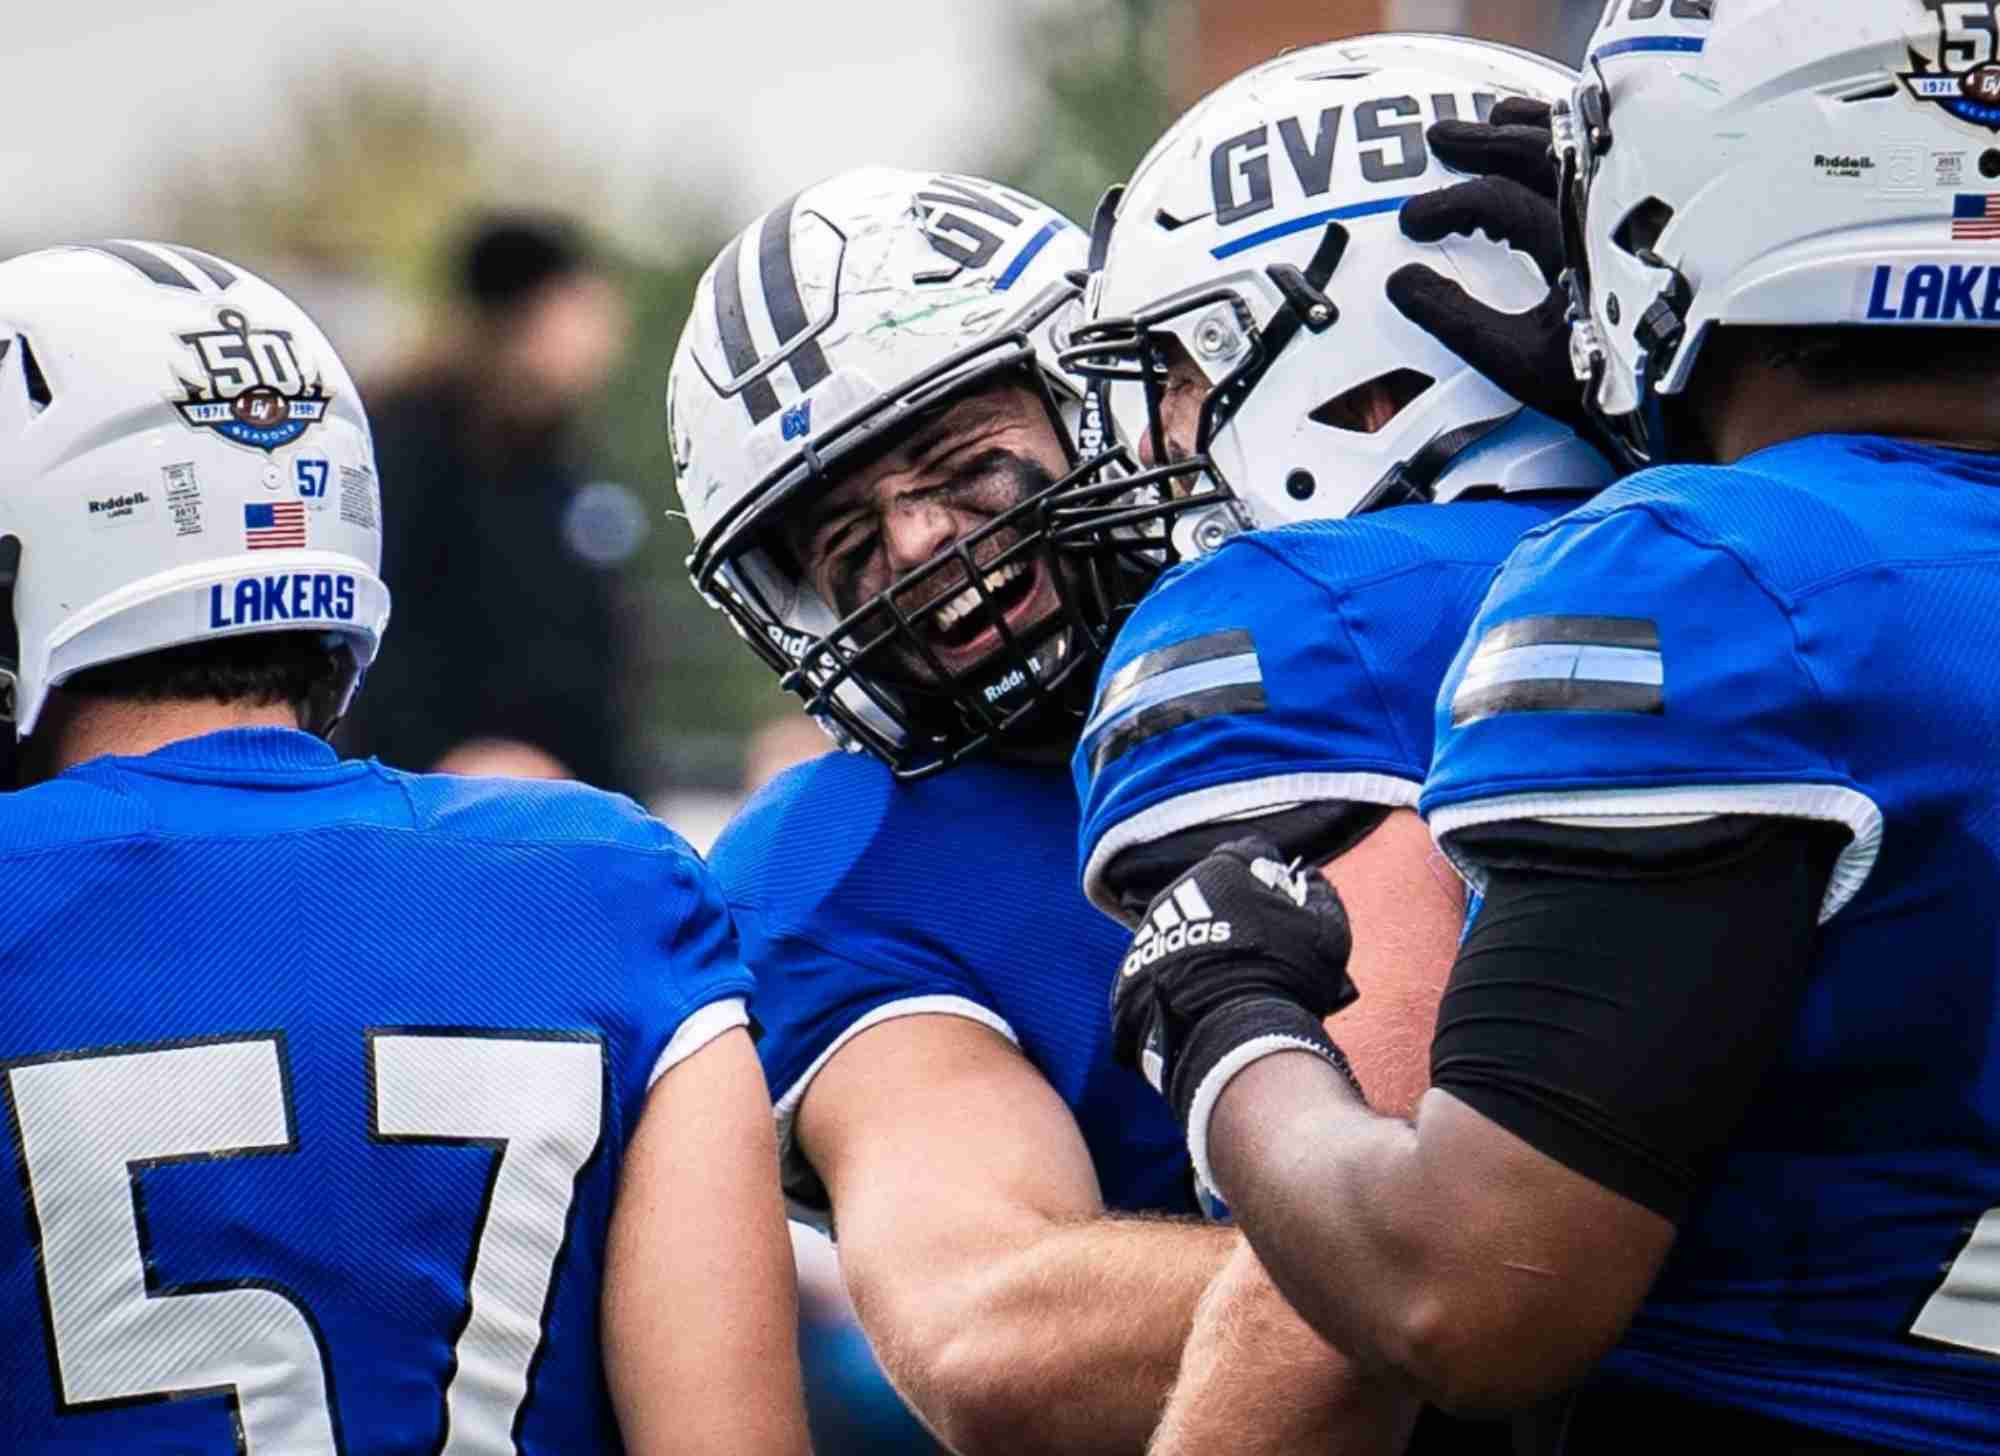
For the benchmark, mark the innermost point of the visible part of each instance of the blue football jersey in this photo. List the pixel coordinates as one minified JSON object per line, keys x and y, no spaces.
{"x":1811,"y":633}
{"x":319,"y":1077}
{"x":1291,"y":666}
{"x":860,"y":899}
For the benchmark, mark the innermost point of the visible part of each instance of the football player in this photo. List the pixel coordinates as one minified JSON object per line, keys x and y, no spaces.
{"x":1286,"y":682}
{"x":1718,"y":754}
{"x":350,"y":1111}
{"x":867,"y":422}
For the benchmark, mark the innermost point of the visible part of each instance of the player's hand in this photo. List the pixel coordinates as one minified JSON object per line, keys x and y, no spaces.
{"x":1513,"y":142}
{"x":1512,"y":199}
{"x":1239,"y":947}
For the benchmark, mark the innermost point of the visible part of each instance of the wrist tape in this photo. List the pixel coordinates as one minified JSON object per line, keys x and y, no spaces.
{"x":1229,"y":1039}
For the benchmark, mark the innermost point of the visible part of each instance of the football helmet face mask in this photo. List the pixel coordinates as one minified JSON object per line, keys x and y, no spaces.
{"x":184,"y":458}
{"x":881,"y":300}
{"x":1756,"y":163}
{"x":1253,"y":246}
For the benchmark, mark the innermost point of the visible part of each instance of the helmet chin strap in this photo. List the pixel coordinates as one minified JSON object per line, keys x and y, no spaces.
{"x":1414,"y":481}
{"x":10,"y":627}
{"x":1660,"y":332}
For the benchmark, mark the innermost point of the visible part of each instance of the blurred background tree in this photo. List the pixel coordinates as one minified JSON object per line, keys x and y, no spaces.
{"x":374,"y":162}
{"x":1105,"y":81}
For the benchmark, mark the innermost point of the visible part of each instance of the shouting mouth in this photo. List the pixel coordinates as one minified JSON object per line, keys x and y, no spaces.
{"x":962,"y":629}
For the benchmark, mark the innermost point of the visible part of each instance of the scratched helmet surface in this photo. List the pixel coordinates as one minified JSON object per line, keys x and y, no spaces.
{"x":822,"y":335}
{"x":184,"y":457}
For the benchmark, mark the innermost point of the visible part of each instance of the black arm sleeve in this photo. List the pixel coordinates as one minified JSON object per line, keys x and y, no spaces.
{"x":1314,"y":833}
{"x":1623,"y":992}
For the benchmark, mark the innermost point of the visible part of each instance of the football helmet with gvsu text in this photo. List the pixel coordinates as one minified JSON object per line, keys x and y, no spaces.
{"x":830,"y":334}
{"x":1247,"y":260}
{"x":1758,"y":162}
{"x":182,"y":457}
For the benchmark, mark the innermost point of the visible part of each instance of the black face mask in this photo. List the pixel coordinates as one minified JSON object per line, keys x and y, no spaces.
{"x":1004,"y":481}
{"x":889,"y":644}
{"x":875,"y":676}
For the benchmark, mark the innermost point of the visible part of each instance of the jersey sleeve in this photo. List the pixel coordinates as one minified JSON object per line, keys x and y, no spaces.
{"x":1241,"y":687}
{"x":1629,"y":668}
{"x":836,"y":924}
{"x":684,"y":979}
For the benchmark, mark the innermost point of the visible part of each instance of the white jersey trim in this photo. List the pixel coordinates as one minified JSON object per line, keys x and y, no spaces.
{"x":786,"y":1109}
{"x":1209,"y":1093}
{"x":1825,"y":803}
{"x":1240,"y":800}
{"x":701,"y":1028}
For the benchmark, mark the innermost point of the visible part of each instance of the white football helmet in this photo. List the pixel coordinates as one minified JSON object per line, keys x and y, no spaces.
{"x":182,"y":457}
{"x":825,"y":330}
{"x":1257,"y":235}
{"x":1764,"y":163}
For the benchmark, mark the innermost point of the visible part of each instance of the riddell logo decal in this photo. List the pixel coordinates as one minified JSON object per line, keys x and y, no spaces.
{"x":1178,"y":923}
{"x":793,"y":644}
{"x":118,"y":510}
{"x":1015,"y":679}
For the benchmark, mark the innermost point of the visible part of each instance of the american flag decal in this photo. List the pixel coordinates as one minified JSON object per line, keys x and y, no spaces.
{"x":1975,"y":217}
{"x":274,"y":526}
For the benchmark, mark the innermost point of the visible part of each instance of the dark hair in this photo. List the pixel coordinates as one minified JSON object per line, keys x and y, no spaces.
{"x":504,"y":258}
{"x":302,"y":669}
{"x":1837,"y":357}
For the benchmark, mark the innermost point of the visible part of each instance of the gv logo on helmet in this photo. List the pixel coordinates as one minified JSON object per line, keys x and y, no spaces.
{"x":256,"y":394}
{"x":958,"y":216}
{"x":1390,"y":128}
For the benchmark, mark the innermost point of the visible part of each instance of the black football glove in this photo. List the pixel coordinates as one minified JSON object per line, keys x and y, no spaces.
{"x":1513,"y":201}
{"x":1238,"y":948}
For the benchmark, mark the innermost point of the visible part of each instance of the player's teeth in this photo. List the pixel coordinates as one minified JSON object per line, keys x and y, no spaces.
{"x":954,"y":611}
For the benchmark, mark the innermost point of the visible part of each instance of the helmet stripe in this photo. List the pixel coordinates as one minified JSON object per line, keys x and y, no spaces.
{"x":1027,"y":255}
{"x":781,"y":294}
{"x":160,"y":270}
{"x":219,"y":273}
{"x":734,"y":326}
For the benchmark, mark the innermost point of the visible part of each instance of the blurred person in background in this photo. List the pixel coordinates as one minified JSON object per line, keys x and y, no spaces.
{"x":494,"y":532}
{"x":352,"y":1110}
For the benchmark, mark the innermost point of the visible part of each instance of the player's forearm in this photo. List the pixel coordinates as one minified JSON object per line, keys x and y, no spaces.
{"x":1256,"y":1380}
{"x":1329,"y":1197}
{"x":698,"y":1243}
{"x":1065,"y":1342}
{"x":1407,"y":1246}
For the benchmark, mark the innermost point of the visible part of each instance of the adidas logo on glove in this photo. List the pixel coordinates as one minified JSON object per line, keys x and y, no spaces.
{"x":1177,"y":922}
{"x":1288,"y":880}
